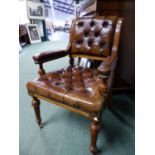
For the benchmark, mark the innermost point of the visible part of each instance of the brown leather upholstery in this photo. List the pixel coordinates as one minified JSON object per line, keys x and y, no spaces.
{"x":79,"y":89}
{"x":93,"y":36}
{"x":48,"y":56}
{"x":107,"y":66}
{"x":75,"y":86}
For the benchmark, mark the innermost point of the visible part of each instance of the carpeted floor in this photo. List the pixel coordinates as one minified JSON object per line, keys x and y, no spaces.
{"x":67,"y":133}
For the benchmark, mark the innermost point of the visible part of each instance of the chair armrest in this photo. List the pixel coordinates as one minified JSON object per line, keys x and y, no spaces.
{"x":48,"y":56}
{"x":107,"y":66}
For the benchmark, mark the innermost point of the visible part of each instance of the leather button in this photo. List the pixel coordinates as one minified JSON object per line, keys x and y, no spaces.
{"x":57,"y":83}
{"x":105,"y":24}
{"x":86,"y":33}
{"x":97,"y":34}
{"x":90,"y":42}
{"x":80,"y":24}
{"x":92,"y":23}
{"x":79,"y":42}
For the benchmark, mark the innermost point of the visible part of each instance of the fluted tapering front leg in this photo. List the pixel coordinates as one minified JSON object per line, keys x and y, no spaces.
{"x":94,"y":131}
{"x":36,"y":106}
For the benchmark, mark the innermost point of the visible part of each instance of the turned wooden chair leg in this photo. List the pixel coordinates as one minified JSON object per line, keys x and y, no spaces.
{"x":36,"y":106}
{"x":41,"y":70}
{"x":94,"y":131}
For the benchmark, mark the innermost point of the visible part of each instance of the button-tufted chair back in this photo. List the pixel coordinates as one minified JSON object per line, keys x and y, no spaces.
{"x":93,"y":36}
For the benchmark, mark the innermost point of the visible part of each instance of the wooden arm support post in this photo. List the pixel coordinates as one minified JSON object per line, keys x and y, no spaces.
{"x":41,"y":70}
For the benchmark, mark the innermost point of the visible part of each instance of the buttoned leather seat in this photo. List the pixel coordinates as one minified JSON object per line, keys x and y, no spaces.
{"x":80,"y":89}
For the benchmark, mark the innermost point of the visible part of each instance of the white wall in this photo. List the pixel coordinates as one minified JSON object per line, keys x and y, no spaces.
{"x":62,"y":17}
{"x":23,"y":12}
{"x":59,"y":17}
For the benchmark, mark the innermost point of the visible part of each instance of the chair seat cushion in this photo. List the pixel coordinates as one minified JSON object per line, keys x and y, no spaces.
{"x":75,"y":86}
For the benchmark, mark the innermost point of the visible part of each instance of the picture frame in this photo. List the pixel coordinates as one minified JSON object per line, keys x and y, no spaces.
{"x":33,"y":33}
{"x":35,"y":10}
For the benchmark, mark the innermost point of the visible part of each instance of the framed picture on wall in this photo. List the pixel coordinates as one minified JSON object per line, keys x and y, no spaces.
{"x":35,"y":10}
{"x":33,"y":33}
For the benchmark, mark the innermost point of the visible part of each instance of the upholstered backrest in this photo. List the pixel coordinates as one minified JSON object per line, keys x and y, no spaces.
{"x":93,"y":36}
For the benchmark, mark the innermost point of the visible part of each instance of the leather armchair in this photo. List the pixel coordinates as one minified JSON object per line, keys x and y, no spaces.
{"x":82,"y":90}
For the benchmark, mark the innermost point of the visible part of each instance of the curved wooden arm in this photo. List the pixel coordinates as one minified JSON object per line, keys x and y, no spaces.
{"x":46,"y":56}
{"x":107,"y":65}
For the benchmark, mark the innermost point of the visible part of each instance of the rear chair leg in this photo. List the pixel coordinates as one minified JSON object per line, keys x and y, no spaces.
{"x":94,"y":131}
{"x":36,"y":106}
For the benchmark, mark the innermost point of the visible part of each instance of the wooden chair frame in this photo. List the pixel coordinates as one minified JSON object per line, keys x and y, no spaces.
{"x":95,"y":119}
